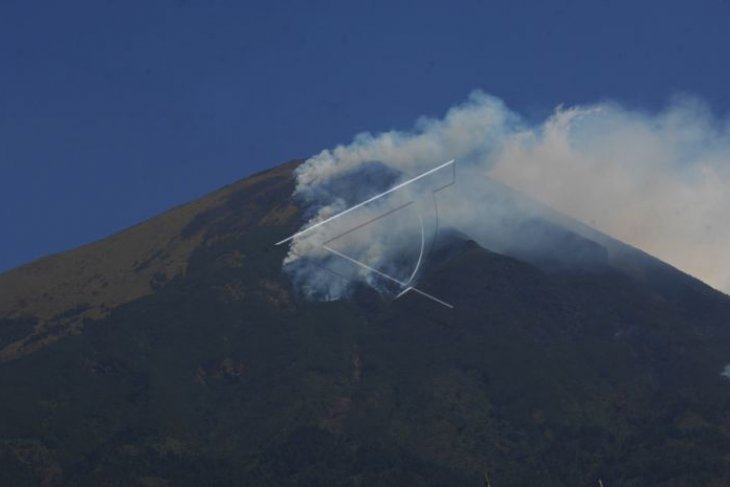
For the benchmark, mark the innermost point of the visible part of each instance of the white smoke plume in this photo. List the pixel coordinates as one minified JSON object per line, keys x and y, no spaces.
{"x":658,"y":181}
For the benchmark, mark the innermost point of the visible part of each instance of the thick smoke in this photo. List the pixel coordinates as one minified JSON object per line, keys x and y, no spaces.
{"x":658,"y":181}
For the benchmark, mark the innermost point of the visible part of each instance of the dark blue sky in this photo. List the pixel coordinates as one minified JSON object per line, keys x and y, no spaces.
{"x":113,"y":111}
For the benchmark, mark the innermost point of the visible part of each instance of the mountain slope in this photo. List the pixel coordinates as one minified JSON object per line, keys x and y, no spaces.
{"x":50,"y":298}
{"x":543,"y":374}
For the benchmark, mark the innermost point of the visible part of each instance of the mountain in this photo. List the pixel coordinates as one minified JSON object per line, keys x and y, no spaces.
{"x":178,"y":353}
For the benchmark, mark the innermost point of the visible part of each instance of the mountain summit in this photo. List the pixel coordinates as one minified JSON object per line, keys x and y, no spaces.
{"x":177,"y":352}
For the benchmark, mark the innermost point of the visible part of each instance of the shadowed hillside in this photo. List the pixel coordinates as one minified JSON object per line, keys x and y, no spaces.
{"x":177,"y":353}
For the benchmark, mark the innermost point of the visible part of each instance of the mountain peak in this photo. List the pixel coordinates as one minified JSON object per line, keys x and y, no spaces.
{"x":179,"y":351}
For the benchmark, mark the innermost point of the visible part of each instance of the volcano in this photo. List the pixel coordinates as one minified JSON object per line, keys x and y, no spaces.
{"x":178,"y":353}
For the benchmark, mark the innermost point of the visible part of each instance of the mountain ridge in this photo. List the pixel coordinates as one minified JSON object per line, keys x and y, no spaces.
{"x":63,"y":289}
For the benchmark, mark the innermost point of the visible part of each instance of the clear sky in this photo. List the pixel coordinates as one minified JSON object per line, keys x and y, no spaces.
{"x":113,"y":111}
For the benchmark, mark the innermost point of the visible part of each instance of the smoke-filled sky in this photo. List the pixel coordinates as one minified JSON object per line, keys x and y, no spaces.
{"x":658,"y":180}
{"x":111,"y":112}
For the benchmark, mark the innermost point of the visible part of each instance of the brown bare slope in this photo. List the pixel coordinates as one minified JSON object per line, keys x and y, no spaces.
{"x":58,"y":292}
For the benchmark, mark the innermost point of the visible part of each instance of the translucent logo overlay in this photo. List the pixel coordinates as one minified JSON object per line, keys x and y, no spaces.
{"x":404,"y":216}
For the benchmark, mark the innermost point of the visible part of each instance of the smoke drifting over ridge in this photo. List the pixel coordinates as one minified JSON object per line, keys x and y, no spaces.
{"x":658,"y":181}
